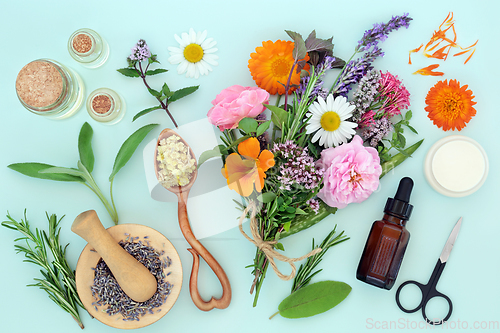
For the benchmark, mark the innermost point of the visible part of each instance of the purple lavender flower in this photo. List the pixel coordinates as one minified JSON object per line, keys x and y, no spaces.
{"x":140,"y":51}
{"x":297,"y":168}
{"x":354,"y":71}
{"x":318,"y":89}
{"x":380,"y":31}
{"x":365,"y":94}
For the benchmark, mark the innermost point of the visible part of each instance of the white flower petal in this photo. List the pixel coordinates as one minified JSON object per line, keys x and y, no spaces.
{"x":317,"y":135}
{"x":322,"y":103}
{"x":185,"y":40}
{"x":211,"y":59}
{"x":176,"y":59}
{"x":200,"y":37}
{"x":208,"y":43}
{"x":182,"y":67}
{"x":178,"y":39}
{"x":329,"y":103}
{"x":192,"y":36}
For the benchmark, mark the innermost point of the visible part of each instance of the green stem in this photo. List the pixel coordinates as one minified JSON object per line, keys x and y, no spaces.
{"x":111,"y":195}
{"x":93,"y":186}
{"x":274,"y":315}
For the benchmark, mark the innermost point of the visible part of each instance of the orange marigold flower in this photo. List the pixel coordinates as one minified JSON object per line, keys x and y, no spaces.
{"x":246,"y":169}
{"x":449,"y":106}
{"x":270,"y":66}
{"x":429,"y":70}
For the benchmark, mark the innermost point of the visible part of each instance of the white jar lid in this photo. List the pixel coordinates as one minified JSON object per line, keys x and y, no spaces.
{"x":456,"y":166}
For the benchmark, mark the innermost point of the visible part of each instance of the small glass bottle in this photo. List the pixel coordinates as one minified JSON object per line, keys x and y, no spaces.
{"x":387,"y":241}
{"x":106,"y":106}
{"x":88,"y":48}
{"x":48,"y":88}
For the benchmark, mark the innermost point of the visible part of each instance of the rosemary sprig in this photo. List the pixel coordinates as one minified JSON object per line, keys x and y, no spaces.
{"x":305,"y":271}
{"x":58,"y":278}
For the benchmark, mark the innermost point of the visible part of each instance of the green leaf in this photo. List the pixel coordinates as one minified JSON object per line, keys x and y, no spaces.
{"x":130,"y":72}
{"x":128,"y":148}
{"x":399,"y":158}
{"x":286,"y":226}
{"x":62,"y":170}
{"x":178,"y":94}
{"x":248,"y":125}
{"x":300,"y":211}
{"x":262,"y":128}
{"x":85,"y":146}
{"x":279,"y":246}
{"x":278,"y":116}
{"x":156,"y":71}
{"x":408,"y":115}
{"x":314,"y":299}
{"x":155,"y":93}
{"x":412,"y":129}
{"x":145,"y":111}
{"x":266,"y":197}
{"x":299,"y":49}
{"x":166,"y":90}
{"x":208,"y":154}
{"x":32,"y":170}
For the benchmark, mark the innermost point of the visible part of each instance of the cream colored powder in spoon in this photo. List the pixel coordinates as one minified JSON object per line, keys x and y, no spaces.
{"x":175,"y":164}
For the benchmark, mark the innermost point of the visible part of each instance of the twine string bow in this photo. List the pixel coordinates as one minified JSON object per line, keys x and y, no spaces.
{"x":267,"y":247}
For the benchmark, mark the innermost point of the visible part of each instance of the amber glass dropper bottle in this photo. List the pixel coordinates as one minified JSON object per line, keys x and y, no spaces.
{"x":387,"y":241}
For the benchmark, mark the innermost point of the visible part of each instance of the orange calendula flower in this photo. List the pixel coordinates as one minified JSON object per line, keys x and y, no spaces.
{"x":449,"y":106}
{"x":246,"y":170}
{"x":270,"y":66}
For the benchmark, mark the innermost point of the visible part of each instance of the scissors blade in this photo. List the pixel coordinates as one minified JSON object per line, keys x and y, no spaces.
{"x":450,"y":242}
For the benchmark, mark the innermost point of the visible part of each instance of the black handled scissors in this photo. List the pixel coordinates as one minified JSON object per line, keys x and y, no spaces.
{"x":429,"y":290}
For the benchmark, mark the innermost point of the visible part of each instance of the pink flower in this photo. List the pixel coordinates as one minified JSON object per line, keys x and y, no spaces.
{"x":397,"y":96}
{"x":351,"y":173}
{"x":235,"y":103}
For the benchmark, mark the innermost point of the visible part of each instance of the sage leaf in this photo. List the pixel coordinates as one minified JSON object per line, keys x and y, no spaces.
{"x":266,"y":197}
{"x":128,"y":148}
{"x":33,"y":170}
{"x":66,"y":171}
{"x":208,"y":154}
{"x":263,"y":127}
{"x":130,"y":72}
{"x":314,"y":299}
{"x":279,"y":116}
{"x":156,"y":71}
{"x":248,"y":125}
{"x":85,"y":146}
{"x":166,"y":90}
{"x":145,"y":111}
{"x":178,"y":94}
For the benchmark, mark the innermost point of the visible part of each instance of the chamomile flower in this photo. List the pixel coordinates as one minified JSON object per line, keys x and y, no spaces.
{"x":195,"y":54}
{"x":328,"y":120}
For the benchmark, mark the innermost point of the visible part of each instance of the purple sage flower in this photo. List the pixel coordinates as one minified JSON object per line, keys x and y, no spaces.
{"x":140,"y":51}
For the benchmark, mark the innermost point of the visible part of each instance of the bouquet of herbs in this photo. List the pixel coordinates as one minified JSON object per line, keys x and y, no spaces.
{"x":322,"y":148}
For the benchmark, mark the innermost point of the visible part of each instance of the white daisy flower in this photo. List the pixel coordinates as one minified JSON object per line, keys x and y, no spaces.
{"x":328,"y":120}
{"x":195,"y":54}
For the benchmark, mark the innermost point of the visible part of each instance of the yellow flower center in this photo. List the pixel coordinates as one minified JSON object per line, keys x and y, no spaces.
{"x":280,"y":67}
{"x":330,"y":121}
{"x":452,"y":105}
{"x":193,"y":53}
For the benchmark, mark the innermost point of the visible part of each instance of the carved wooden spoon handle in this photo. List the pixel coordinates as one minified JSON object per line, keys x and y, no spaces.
{"x":199,"y":250}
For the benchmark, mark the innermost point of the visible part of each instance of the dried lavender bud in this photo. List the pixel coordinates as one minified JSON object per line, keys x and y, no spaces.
{"x":106,"y":290}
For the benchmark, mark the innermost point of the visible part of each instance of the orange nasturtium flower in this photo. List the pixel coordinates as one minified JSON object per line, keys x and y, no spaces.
{"x":270,"y":66}
{"x":449,"y":106}
{"x":247,"y":168}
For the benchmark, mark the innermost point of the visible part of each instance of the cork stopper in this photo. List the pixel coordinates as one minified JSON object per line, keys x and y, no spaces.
{"x":39,"y":84}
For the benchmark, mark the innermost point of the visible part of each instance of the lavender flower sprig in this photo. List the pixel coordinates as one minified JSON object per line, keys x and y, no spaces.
{"x":354,"y":70}
{"x":141,"y":53}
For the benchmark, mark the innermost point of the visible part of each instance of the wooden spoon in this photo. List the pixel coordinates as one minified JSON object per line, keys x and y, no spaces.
{"x":132,"y":276}
{"x":197,"y":249}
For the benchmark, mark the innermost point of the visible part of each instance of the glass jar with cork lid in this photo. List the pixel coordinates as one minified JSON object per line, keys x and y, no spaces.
{"x":47,"y":88}
{"x":88,"y":48}
{"x":105,"y":106}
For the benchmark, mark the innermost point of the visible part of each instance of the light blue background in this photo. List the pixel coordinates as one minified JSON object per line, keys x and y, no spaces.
{"x":40,"y":29}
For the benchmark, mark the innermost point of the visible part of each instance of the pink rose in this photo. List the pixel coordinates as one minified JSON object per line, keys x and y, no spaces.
{"x":235,"y":103}
{"x":351,"y":173}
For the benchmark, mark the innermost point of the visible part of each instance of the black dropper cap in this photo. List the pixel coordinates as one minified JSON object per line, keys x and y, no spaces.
{"x":399,"y":205}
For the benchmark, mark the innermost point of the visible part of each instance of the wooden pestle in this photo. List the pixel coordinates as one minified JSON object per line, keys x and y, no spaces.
{"x":132,"y":276}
